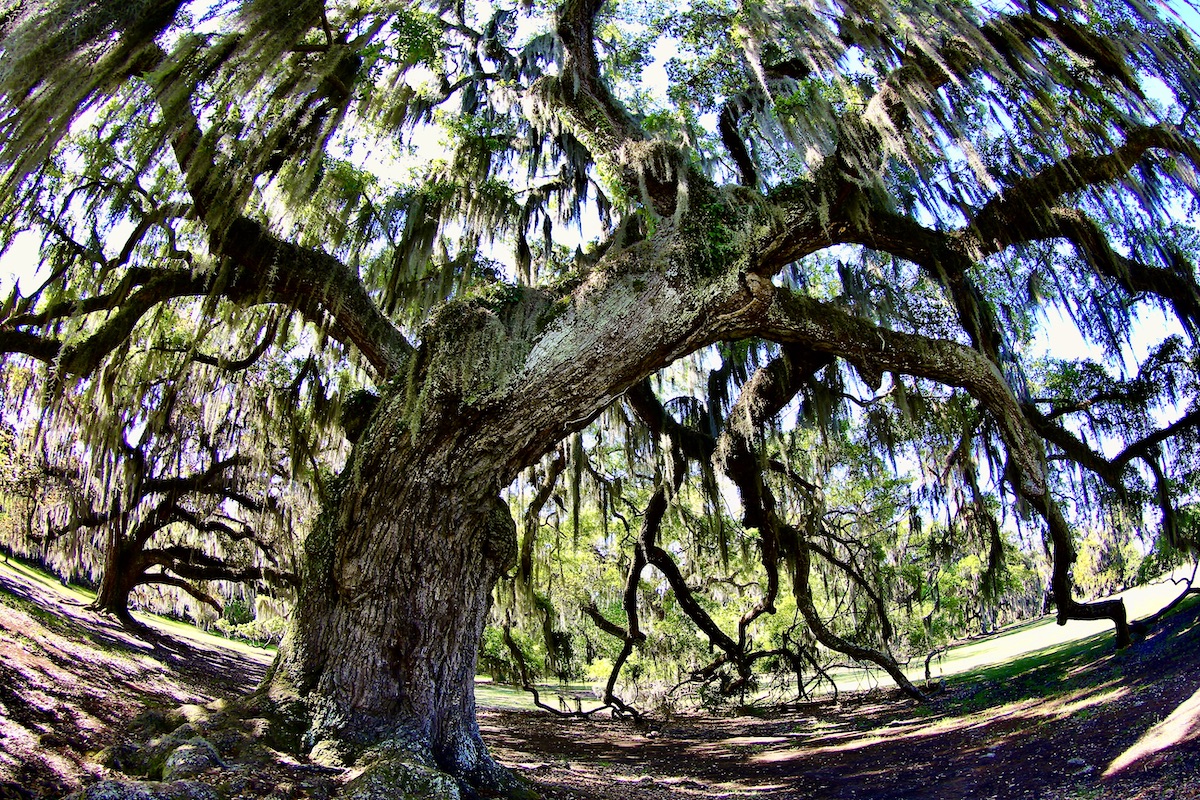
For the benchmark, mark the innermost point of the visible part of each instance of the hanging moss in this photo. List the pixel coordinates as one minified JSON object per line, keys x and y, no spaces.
{"x":714,"y":234}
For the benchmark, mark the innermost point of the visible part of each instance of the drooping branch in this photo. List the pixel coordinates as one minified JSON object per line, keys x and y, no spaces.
{"x":771,"y":388}
{"x":270,"y":269}
{"x":631,"y":636}
{"x":801,"y":320}
{"x":611,"y":628}
{"x":850,"y":570}
{"x":766,"y":393}
{"x":532,"y":514}
{"x":1005,"y":219}
{"x":527,"y":682}
{"x":659,"y":558}
{"x":825,"y":328}
{"x":802,"y":554}
{"x":1062,"y":542}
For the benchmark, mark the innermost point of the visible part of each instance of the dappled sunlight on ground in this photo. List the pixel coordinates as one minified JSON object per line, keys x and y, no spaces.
{"x":1063,"y":707}
{"x":1183,"y":725}
{"x":1041,"y":727}
{"x":71,"y":678}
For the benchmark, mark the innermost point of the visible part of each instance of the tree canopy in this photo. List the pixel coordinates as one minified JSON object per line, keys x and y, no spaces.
{"x":738,"y":314}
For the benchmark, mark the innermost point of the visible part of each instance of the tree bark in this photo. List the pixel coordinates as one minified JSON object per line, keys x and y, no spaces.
{"x":397,"y":587}
{"x":117,"y":581}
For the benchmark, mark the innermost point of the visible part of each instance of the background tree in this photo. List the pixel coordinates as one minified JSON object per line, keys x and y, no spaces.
{"x":185,"y":484}
{"x":857,"y":197}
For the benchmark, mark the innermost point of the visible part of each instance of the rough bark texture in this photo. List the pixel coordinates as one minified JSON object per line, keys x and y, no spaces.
{"x":398,"y":582}
{"x":117,"y":581}
{"x":401,"y":565}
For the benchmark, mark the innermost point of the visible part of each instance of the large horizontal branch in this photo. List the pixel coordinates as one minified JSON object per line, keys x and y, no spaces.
{"x":1146,"y":446}
{"x":1029,"y":210}
{"x":63,"y":309}
{"x":231,"y":364}
{"x":266,"y":270}
{"x":224,"y":526}
{"x":1177,"y":287}
{"x":602,"y":622}
{"x":794,"y":318}
{"x":195,"y":565}
{"x":212,"y":476}
{"x":163,"y":579}
{"x":315,"y":283}
{"x":84,"y":357}
{"x":1074,"y":448}
{"x":1007,"y":218}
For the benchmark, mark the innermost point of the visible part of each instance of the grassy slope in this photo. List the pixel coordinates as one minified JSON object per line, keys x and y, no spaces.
{"x":1014,"y":729}
{"x":1019,"y":644}
{"x":81,"y":596}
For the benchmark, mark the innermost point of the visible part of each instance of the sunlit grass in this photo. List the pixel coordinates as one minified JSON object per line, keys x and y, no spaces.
{"x":80,"y":594}
{"x":489,"y":694}
{"x":179,"y":628}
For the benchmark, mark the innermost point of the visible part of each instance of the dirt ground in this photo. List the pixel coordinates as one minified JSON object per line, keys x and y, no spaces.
{"x":1088,"y":724}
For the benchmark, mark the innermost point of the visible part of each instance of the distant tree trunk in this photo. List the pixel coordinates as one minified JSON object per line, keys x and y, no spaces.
{"x":118,"y":580}
{"x":397,"y":585}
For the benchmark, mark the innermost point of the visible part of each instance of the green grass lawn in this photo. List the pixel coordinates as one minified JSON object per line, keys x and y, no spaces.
{"x":1000,"y":658}
{"x":185,"y":630}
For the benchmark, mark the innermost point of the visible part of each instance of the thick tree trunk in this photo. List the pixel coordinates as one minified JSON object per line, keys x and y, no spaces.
{"x":397,"y":587}
{"x":401,"y":565}
{"x":117,"y":581}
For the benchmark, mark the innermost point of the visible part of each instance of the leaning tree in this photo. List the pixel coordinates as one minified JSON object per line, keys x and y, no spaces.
{"x":870,"y":192}
{"x":175,"y":507}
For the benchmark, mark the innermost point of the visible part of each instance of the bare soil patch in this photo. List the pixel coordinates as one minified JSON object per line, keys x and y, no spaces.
{"x":1084,"y":722}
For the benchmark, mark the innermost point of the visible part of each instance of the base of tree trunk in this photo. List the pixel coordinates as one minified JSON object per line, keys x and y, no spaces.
{"x":124,"y":617}
{"x":250,"y":746}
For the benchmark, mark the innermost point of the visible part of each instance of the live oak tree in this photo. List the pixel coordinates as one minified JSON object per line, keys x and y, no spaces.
{"x":862,"y":193}
{"x":167,"y":504}
{"x":179,"y":482}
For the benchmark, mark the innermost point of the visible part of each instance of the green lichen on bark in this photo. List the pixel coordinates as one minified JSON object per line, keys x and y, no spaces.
{"x":472,"y":349}
{"x":320,"y":545}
